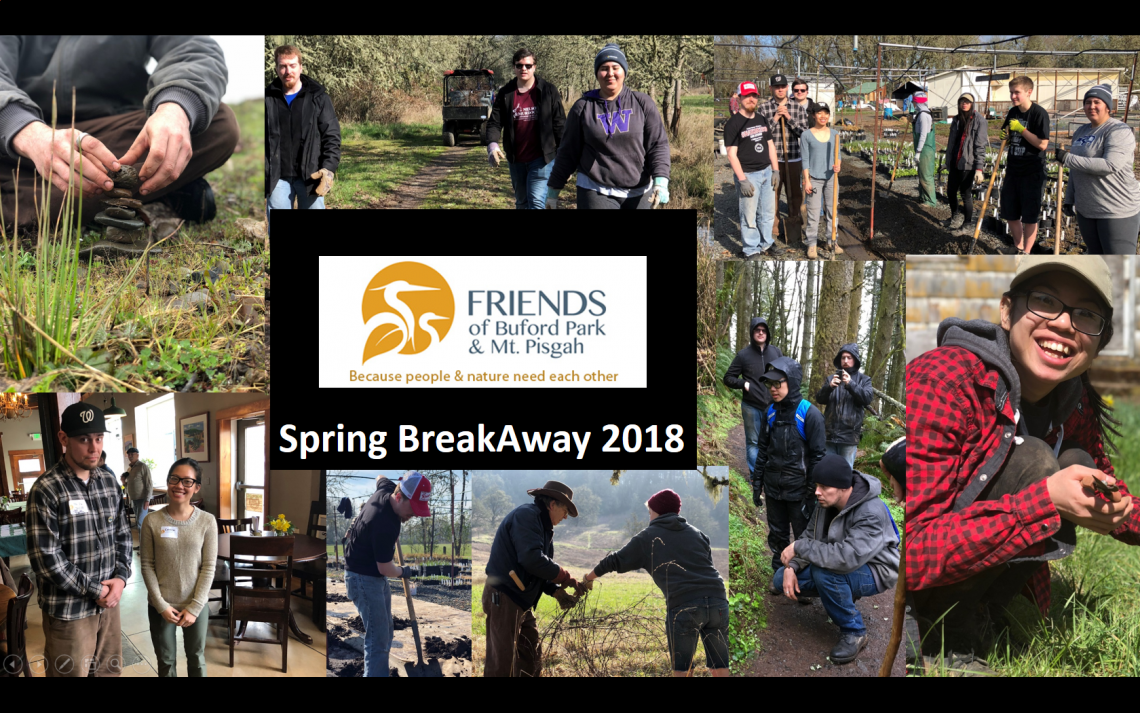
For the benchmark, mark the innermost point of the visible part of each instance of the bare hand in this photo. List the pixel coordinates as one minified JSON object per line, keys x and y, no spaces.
{"x":834,"y":381}
{"x":114,"y":591}
{"x":782,"y":110}
{"x":807,"y":187}
{"x":836,"y":168}
{"x":187,"y":619}
{"x":791,"y":583}
{"x":171,"y":615}
{"x":102,"y":600}
{"x":788,"y":553}
{"x":846,"y":378}
{"x":1081,"y":506}
{"x":53,"y":155}
{"x":167,"y":137}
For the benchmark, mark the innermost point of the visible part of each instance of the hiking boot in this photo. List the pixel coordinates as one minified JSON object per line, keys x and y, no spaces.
{"x":956,"y":665}
{"x":813,"y":254}
{"x":838,"y":250}
{"x":848,"y":648}
{"x":954,"y":222}
{"x":193,"y":202}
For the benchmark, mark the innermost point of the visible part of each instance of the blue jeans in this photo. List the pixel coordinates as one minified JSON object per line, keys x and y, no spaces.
{"x":373,"y":600}
{"x":289,"y":188}
{"x":757,"y":213}
{"x":141,"y":507}
{"x":755,"y":420}
{"x":529,"y":182}
{"x":837,"y":592}
{"x":842,"y":450}
{"x":705,"y":618}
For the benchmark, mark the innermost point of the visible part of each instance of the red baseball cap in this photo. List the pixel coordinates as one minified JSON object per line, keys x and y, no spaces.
{"x":748,"y":88}
{"x":417,"y":489}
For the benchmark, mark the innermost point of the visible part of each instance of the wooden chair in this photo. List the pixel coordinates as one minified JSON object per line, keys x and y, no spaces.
{"x":257,"y":603}
{"x":223,"y":579}
{"x":15,"y":660}
{"x":158,"y":500}
{"x":310,"y":571}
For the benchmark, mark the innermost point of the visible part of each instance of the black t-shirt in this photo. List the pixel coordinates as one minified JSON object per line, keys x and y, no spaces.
{"x":1023,"y":157}
{"x":373,"y":535}
{"x":750,"y":136}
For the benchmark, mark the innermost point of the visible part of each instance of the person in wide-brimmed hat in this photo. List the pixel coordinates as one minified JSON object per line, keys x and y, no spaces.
{"x":520,"y":570}
{"x":679,"y":558}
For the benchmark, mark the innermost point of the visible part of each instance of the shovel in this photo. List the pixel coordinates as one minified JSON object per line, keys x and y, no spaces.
{"x":986,"y":202}
{"x":1060,"y":196}
{"x":835,"y":204}
{"x":420,"y":669}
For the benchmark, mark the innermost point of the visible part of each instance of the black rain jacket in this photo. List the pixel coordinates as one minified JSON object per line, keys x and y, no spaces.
{"x":320,"y":134}
{"x":786,"y":460}
{"x":750,"y":364}
{"x":844,"y":416}
{"x":524,"y":543}
{"x":551,"y":118}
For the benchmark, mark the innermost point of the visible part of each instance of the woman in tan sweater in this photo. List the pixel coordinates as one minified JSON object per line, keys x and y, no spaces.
{"x":178,"y":553}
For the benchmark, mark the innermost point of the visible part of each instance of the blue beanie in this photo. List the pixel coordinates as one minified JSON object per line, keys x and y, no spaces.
{"x":611,"y":53}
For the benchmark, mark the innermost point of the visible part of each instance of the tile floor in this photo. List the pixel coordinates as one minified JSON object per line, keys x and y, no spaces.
{"x":250,"y":659}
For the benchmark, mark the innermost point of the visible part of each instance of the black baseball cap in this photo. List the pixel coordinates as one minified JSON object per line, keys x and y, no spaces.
{"x":777,"y":80}
{"x":80,"y":419}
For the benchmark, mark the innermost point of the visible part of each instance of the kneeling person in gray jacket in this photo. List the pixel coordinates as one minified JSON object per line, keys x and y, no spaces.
{"x":849,"y":550}
{"x":679,"y":558}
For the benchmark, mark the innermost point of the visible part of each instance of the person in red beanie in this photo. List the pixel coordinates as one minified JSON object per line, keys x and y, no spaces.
{"x":679,"y":558}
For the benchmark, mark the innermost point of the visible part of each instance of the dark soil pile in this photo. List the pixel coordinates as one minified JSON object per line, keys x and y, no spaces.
{"x":356,"y":623}
{"x":399,"y":624}
{"x":438,"y":648}
{"x":455,"y":597}
{"x":336,"y":597}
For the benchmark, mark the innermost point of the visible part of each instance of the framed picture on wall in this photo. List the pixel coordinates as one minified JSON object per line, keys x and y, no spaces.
{"x":128,"y":441}
{"x":194,"y":437}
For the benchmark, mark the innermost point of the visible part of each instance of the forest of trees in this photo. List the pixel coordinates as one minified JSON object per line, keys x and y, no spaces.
{"x":813,"y":309}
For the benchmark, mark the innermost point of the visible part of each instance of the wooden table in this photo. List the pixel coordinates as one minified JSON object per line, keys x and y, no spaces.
{"x":305,"y":549}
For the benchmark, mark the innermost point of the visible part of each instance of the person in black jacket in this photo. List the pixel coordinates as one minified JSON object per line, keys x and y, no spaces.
{"x":528,"y":116}
{"x":520,"y":570}
{"x":845,"y":393}
{"x":747,"y":372}
{"x":302,"y":136}
{"x":786,"y":459}
{"x":965,"y":160}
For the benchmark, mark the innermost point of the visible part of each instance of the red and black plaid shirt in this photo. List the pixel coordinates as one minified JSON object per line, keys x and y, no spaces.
{"x":953,"y":427}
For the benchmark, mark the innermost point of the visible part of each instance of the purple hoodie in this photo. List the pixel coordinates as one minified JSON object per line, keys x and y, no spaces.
{"x":619,"y":143}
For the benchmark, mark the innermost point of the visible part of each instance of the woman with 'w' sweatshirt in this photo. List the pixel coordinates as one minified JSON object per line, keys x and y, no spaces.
{"x":615,"y":140}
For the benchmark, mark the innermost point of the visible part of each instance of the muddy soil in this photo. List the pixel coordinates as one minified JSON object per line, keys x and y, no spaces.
{"x":799,"y":636}
{"x":458,"y":648}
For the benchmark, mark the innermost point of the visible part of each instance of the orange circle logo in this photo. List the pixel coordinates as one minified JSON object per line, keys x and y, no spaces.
{"x":409,"y":307}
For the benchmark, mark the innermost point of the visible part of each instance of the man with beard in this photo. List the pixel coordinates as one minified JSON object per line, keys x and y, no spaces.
{"x":845,"y":393}
{"x":748,"y":137}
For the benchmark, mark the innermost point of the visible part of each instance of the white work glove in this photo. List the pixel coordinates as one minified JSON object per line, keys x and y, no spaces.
{"x":551,"y":198}
{"x":495,"y":155}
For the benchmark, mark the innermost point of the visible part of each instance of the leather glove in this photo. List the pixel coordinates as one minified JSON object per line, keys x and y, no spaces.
{"x":495,"y":155}
{"x":1067,"y":209}
{"x":584,"y":586}
{"x":979,"y":177}
{"x":746,"y":188}
{"x":1060,"y":154}
{"x":660,"y":190}
{"x":408,"y":572}
{"x":564,"y":600}
{"x":551,"y":198}
{"x":326,"y":178}
{"x":571,"y":584}
{"x":1017,"y":126}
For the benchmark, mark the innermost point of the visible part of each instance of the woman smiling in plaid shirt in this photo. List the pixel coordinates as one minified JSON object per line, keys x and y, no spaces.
{"x":1002,"y":427}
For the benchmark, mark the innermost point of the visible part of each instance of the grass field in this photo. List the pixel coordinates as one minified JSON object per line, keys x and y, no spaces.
{"x":597,"y":645}
{"x":153,"y":342}
{"x":1094,"y":623}
{"x":376,"y":158}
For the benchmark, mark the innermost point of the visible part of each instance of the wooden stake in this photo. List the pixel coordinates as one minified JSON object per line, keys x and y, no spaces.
{"x":1060,"y":197}
{"x":834,"y":197}
{"x":986,"y":202}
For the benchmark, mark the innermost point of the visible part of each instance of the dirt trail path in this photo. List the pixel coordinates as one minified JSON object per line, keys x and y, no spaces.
{"x":416,"y":188}
{"x":799,"y":637}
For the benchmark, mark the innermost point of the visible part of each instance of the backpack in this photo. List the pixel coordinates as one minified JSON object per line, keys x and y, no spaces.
{"x":892,"y":519}
{"x":801,"y":413}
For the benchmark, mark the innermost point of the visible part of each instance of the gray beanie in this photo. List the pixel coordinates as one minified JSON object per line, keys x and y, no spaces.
{"x":611,"y":53}
{"x":1102,"y":92}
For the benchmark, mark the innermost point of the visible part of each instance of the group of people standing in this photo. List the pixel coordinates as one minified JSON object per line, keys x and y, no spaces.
{"x":797,"y":132}
{"x":829,"y":534}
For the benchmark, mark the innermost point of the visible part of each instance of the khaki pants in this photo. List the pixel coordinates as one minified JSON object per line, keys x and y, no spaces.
{"x":212,"y":148}
{"x":72,"y":648}
{"x":506,"y":621}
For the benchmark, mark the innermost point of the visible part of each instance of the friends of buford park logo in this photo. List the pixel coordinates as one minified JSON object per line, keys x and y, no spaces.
{"x":408,"y":307}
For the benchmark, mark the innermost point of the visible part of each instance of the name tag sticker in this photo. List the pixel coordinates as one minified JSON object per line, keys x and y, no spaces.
{"x":171,"y":532}
{"x":77,"y":507}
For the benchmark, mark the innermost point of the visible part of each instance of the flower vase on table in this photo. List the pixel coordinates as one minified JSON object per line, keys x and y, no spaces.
{"x":281,"y":526}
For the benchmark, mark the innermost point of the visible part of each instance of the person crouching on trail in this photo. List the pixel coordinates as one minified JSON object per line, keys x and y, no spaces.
{"x":790,"y":448}
{"x":849,"y":550}
{"x":528,"y":117}
{"x":1005,"y":435}
{"x":679,"y":558}
{"x":520,"y":570}
{"x":369,"y":548}
{"x":846,"y":393}
{"x":616,"y":141}
{"x":746,"y":372}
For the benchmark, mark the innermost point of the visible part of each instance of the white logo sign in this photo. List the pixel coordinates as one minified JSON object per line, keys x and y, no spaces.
{"x":86,"y":416}
{"x":425,"y":495}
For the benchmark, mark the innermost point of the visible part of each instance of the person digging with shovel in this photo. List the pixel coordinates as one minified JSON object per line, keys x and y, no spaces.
{"x":369,"y":548}
{"x":520,"y":570}
{"x":679,"y":558}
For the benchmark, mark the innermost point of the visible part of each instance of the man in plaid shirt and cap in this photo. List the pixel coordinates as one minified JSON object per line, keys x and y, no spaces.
{"x":79,"y":544}
{"x":783,"y":115}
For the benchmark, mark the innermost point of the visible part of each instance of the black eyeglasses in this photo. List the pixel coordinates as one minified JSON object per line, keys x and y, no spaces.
{"x":520,"y":65}
{"x":186,"y":482}
{"x":773,"y":384}
{"x":1083,"y":320}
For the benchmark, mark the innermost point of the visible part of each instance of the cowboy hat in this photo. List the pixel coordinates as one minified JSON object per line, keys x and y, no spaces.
{"x":558,"y":491}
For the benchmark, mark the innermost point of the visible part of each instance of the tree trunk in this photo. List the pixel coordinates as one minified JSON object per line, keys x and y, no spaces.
{"x":743,"y":318}
{"x":809,"y":312}
{"x":831,"y":322}
{"x":884,"y":332}
{"x":854,"y":315}
{"x":451,"y":473}
{"x":876,"y":279}
{"x":462,"y":500}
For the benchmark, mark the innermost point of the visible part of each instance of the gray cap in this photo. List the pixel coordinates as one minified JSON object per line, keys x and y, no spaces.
{"x":1102,"y":92}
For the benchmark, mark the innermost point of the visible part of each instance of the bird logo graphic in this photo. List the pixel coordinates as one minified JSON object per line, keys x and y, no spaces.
{"x":408,"y":307}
